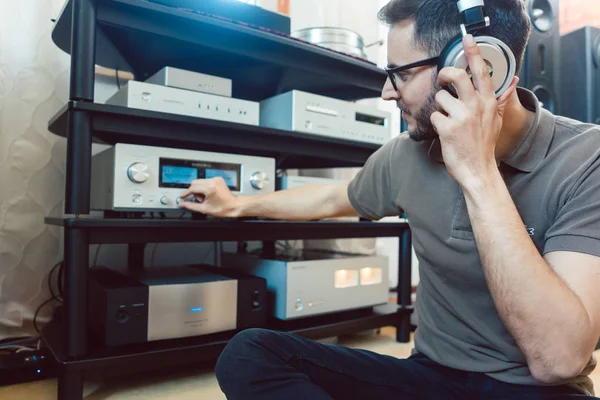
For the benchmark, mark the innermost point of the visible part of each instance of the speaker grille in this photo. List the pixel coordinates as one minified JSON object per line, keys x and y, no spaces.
{"x":580,"y":56}
{"x":540,"y":72}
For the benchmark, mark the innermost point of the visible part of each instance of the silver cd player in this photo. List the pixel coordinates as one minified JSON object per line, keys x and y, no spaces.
{"x":324,"y":116}
{"x":130,"y":177}
{"x":147,"y":96}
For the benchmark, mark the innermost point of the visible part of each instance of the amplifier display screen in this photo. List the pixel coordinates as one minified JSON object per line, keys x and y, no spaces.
{"x":178,"y":175}
{"x":175,"y":173}
{"x":370,"y":119}
{"x":230,"y":177}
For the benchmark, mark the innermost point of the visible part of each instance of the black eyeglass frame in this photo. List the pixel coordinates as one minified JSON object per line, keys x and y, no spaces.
{"x":392,"y":71}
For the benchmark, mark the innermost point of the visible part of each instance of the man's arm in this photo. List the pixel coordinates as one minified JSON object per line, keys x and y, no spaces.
{"x":551,"y":306}
{"x":311,"y":202}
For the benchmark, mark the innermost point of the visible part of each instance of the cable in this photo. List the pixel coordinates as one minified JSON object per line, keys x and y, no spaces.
{"x":50,"y":279}
{"x":16,"y":347}
{"x":95,"y":263}
{"x":153,"y":254}
{"x":37,"y":312}
{"x":61,"y":281}
{"x":117,"y":78}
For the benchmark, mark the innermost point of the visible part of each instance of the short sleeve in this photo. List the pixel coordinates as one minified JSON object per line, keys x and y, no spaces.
{"x":577,"y":225}
{"x":371,"y":192}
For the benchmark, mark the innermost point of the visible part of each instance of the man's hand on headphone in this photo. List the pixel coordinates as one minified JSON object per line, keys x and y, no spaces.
{"x":469,"y":125}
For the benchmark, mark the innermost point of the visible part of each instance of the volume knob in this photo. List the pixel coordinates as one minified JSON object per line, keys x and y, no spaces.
{"x":137,"y":172}
{"x":259,"y":180}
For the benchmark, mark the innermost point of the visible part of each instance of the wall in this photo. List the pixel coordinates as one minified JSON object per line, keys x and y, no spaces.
{"x":33,"y":82}
{"x":577,"y":13}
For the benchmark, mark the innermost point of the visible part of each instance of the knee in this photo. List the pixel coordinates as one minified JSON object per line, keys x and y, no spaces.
{"x":243,"y":348}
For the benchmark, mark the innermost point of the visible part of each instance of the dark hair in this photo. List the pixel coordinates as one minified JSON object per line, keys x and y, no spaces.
{"x":438,"y":21}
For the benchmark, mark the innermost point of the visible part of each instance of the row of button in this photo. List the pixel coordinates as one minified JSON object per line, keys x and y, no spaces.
{"x":164,"y":200}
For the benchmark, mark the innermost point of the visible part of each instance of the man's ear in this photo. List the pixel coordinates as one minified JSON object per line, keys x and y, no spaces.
{"x":505,"y":97}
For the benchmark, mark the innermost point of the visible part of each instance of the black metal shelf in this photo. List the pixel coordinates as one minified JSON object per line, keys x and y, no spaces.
{"x":113,"y":231}
{"x":143,"y":37}
{"x":115,"y":124}
{"x":193,"y":350}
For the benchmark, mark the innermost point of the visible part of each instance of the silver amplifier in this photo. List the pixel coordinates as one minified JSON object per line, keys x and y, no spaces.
{"x":147,"y":96}
{"x":130,"y":177}
{"x":319,"y":115}
{"x":312,"y":282}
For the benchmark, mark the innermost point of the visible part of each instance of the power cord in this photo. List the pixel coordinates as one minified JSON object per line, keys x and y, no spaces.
{"x":58,"y":266}
{"x":117,"y":78}
{"x":153,"y":254}
{"x":59,"y":282}
{"x":95,"y":263}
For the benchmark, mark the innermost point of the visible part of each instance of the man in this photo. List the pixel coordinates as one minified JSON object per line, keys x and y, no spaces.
{"x":503,"y":200}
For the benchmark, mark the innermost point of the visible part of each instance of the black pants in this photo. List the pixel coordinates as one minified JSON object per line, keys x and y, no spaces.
{"x":268,"y":365}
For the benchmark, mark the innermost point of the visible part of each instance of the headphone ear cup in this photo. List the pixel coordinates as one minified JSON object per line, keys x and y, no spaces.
{"x":443,"y":61}
{"x":495,"y":53}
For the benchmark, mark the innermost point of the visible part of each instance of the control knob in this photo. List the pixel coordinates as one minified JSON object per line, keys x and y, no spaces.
{"x":259,"y":180}
{"x":137,"y":172}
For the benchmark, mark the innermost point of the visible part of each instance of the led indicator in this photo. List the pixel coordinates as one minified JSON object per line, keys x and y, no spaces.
{"x":196,"y":309}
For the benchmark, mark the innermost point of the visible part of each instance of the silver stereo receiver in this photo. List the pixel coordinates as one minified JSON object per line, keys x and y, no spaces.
{"x":182,"y":79}
{"x":147,"y":96}
{"x":312,"y":282}
{"x":319,"y":115}
{"x":130,"y":177}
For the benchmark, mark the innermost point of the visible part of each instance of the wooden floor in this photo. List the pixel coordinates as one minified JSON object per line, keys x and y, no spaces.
{"x":196,"y":385}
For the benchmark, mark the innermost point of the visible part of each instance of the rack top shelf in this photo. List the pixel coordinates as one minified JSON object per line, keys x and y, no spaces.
{"x":114,"y":230}
{"x":143,"y":37}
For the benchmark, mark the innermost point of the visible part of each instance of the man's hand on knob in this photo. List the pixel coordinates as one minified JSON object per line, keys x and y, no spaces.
{"x":212,"y":196}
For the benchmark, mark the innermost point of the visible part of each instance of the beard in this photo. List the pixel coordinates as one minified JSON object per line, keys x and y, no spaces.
{"x":424,"y":130}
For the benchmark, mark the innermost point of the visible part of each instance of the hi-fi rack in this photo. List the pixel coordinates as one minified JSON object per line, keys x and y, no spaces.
{"x":142,"y":37}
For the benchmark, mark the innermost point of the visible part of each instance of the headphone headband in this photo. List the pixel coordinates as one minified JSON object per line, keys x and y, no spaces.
{"x":473,"y":18}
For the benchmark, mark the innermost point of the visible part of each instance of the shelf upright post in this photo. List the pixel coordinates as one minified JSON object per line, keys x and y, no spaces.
{"x":79,"y":138}
{"x":404,"y":285}
{"x":77,"y":193}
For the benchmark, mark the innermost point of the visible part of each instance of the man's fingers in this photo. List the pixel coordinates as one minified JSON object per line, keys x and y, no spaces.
{"x":439,"y":121}
{"x":460,"y":80}
{"x":192,"y":206}
{"x":197,"y":187}
{"x":479,"y":69}
{"x":449,"y":104}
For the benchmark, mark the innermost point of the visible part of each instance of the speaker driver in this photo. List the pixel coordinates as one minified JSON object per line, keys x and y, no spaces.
{"x":544,"y":97}
{"x":542,"y":15}
{"x":596,"y":51}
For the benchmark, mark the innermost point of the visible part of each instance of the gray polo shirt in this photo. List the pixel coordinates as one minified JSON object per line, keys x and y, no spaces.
{"x":554,"y":179}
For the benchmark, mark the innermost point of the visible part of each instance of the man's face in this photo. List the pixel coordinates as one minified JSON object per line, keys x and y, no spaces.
{"x":416,"y":87}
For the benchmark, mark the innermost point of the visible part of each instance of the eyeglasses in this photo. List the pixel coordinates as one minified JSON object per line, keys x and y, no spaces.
{"x":393,"y":71}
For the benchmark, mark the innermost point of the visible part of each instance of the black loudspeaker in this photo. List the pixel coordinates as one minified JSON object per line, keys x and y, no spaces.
{"x":580,"y":58}
{"x":540,"y":71}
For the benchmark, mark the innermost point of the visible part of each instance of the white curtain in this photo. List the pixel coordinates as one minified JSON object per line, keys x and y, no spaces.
{"x":34,"y":76}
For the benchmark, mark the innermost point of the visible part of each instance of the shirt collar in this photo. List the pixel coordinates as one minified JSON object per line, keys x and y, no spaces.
{"x":534,"y":146}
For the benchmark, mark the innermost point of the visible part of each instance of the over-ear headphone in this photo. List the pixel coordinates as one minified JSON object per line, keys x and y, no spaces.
{"x":495,"y":53}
